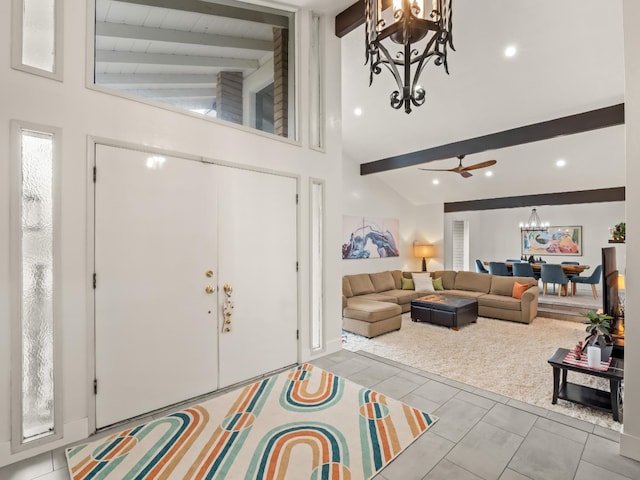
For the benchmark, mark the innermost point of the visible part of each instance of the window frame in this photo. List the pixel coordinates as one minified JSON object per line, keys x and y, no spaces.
{"x":317,"y":68}
{"x":294,"y":77}
{"x":17,"y":42}
{"x":321,"y":302}
{"x":18,"y":442}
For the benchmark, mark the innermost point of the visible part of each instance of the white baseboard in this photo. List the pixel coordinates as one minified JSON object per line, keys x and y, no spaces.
{"x":333,"y":346}
{"x":630,"y":446}
{"x":73,"y":432}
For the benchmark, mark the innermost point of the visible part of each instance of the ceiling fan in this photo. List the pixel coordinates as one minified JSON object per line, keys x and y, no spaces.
{"x":464,"y":171}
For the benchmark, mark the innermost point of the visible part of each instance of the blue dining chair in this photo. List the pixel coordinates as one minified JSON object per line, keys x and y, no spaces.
{"x":513,"y":260}
{"x":592,"y":280}
{"x":523,"y":269}
{"x":480,"y":267}
{"x":499,"y":268}
{"x":553,"y":273}
{"x":571,"y":275}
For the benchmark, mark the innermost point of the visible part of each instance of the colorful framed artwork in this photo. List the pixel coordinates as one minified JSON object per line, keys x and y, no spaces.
{"x":369,"y":237}
{"x":551,"y":241}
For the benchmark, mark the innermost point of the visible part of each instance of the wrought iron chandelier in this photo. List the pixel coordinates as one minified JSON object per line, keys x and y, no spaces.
{"x":534,"y":222}
{"x":413,"y":21}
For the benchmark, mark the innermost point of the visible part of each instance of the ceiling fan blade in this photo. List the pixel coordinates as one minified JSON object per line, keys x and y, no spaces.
{"x":465,"y":174}
{"x":476,"y":166}
{"x":439,"y":169}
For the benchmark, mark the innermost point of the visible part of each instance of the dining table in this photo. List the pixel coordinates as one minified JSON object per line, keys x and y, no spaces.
{"x":568,"y":269}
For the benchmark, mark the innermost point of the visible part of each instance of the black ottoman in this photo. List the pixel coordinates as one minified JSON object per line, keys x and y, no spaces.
{"x":446,"y":310}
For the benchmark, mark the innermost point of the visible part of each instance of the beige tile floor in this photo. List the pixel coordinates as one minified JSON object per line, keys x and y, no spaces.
{"x":480,"y":435}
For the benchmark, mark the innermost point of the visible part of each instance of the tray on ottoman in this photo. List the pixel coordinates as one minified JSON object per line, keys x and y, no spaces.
{"x":447,"y":310}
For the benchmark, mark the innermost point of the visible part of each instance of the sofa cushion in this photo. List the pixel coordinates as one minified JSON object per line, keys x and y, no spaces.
{"x":382,"y":281}
{"x":422,"y":282}
{"x":448,"y":278}
{"x":346,"y":287}
{"x":499,"y":301}
{"x":472,"y":281}
{"x":370,"y":311}
{"x":400,"y":296}
{"x":361,"y":284}
{"x":504,"y":285}
{"x":397,"y":277}
{"x":407,"y":284}
{"x":519,"y":289}
{"x":377,"y":297}
{"x":437,"y":284}
{"x":464,"y":293}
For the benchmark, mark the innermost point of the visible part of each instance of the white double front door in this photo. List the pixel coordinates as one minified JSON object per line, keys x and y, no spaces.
{"x":169,"y":234}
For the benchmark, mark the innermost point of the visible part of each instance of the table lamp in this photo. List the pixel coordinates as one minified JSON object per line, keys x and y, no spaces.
{"x":424,"y":252}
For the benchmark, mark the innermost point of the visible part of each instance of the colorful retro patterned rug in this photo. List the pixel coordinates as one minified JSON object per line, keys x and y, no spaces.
{"x":302,"y":424}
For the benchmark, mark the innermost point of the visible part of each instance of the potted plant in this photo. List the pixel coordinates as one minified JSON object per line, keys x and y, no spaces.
{"x":598,"y":329}
{"x":619,"y":231}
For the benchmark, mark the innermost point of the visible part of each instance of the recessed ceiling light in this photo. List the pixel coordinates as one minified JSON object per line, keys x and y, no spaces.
{"x":510,"y":51}
{"x":357,"y":112}
{"x":488,"y":173}
{"x":436,"y":181}
{"x":561,"y":163}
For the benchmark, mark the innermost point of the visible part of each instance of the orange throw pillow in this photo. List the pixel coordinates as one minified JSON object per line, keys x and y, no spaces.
{"x":519,"y":289}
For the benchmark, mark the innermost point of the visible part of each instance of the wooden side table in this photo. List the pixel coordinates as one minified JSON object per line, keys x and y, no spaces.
{"x":610,"y":401}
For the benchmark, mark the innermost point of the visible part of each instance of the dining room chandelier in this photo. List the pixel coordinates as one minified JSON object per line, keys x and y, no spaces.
{"x":412,"y":21}
{"x":534,"y":222}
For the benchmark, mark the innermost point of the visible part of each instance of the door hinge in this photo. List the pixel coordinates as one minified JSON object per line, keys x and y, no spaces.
{"x":95,"y":174}
{"x":95,"y":280}
{"x":297,"y":334}
{"x":95,"y":386}
{"x":297,"y":266}
{"x":297,"y":196}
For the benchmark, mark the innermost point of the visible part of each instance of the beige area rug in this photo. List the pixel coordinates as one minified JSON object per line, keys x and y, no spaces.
{"x":305,"y":423}
{"x":503,"y":357}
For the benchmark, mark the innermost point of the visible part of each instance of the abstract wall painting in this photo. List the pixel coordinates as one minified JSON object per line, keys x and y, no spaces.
{"x":552,"y":241}
{"x":369,"y":237}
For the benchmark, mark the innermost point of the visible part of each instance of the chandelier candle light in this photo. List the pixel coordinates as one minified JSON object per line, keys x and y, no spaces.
{"x":412,"y":21}
{"x":534,"y":222}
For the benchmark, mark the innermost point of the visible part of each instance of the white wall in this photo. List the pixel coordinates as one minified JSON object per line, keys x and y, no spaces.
{"x":630,"y":441}
{"x":368,"y":196}
{"x":81,"y":112}
{"x":495,"y":234}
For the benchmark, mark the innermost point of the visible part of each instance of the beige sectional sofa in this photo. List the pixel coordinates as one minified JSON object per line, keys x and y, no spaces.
{"x":373,"y":303}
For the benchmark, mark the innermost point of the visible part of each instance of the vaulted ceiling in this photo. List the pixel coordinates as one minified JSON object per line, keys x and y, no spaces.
{"x":569,"y":59}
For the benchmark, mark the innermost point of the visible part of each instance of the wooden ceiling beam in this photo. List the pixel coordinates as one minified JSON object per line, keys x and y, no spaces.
{"x":134,"y":32}
{"x":615,"y":194}
{"x":109,"y":56}
{"x":581,"y":122}
{"x":256,"y":14}
{"x":352,"y":17}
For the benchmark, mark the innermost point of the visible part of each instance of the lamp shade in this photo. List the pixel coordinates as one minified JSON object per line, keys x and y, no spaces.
{"x":424,"y":251}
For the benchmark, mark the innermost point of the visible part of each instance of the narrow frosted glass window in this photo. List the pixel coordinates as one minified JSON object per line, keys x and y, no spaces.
{"x":316,"y":88}
{"x":37,"y":342}
{"x":37,"y":37}
{"x":317,"y":265}
{"x":38,"y":34}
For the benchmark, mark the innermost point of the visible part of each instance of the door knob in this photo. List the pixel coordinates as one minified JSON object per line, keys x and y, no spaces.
{"x":210,"y":289}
